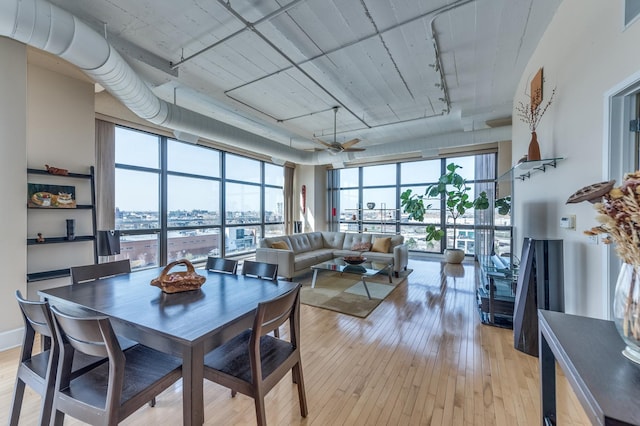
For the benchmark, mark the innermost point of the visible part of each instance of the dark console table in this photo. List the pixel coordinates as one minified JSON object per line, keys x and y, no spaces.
{"x":589,"y":351}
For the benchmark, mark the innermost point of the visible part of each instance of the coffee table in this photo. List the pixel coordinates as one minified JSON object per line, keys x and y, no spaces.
{"x":365,"y":270}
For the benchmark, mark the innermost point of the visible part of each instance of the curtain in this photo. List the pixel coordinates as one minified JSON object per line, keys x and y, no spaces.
{"x":485,"y":174}
{"x":288,"y":200}
{"x":105,"y":174}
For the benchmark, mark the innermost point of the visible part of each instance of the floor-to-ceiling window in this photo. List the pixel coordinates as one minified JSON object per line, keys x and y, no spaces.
{"x":176,"y":200}
{"x":368,"y":199}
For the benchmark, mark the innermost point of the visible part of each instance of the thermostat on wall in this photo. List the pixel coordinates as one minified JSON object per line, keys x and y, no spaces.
{"x":568,"y":222}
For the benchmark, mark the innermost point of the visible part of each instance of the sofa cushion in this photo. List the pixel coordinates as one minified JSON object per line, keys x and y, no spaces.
{"x":351,"y":238}
{"x":280,"y":244}
{"x":266,"y":242}
{"x":396,"y":240}
{"x":333,"y":240}
{"x":299,"y":243}
{"x":381,"y":245}
{"x":361,"y":246}
{"x":315,"y":240}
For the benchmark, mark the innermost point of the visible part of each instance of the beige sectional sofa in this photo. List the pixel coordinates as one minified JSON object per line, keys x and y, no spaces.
{"x":307,"y":249}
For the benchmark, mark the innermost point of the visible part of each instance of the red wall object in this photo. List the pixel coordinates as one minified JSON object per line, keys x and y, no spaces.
{"x":304,"y":199}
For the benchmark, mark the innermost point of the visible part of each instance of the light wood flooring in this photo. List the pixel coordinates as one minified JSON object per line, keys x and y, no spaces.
{"x":421,"y":358}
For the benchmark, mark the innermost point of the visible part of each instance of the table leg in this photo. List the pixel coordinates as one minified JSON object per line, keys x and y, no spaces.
{"x":366,"y":288}
{"x":390,"y":272}
{"x":313,"y":280}
{"x":547,"y":382}
{"x":192,"y":385}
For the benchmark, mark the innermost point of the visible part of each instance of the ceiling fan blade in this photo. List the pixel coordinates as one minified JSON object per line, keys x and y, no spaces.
{"x":350,"y":143}
{"x":353,"y":149}
{"x":326,"y":144}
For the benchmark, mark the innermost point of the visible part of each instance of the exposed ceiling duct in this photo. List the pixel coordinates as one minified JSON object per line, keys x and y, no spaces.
{"x":47,"y":27}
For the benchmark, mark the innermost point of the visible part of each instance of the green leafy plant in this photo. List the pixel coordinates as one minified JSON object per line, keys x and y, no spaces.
{"x":453,"y":187}
{"x":503,"y":205}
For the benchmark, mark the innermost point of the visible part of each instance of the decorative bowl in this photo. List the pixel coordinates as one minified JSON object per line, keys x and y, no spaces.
{"x":354,"y":260}
{"x":371,"y":206}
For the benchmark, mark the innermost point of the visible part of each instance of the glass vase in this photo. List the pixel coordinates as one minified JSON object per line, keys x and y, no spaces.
{"x":626,"y":309}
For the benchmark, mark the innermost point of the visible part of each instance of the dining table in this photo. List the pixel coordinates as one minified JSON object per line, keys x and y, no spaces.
{"x":187,"y":324}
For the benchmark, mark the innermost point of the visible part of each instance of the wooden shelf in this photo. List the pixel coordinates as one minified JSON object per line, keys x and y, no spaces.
{"x":77,"y":207}
{"x":70,"y":175}
{"x":47,"y":275}
{"x":57,"y":240}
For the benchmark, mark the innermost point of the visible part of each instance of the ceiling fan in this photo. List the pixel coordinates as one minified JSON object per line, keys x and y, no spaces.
{"x":335,"y":147}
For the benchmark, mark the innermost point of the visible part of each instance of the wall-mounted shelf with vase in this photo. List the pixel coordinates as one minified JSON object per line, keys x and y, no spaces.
{"x":526,"y":169}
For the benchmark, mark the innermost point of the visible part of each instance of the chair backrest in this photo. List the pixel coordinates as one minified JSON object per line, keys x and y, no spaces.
{"x":265,"y":271}
{"x":89,"y":335}
{"x":273,"y":313}
{"x":219,"y":264}
{"x":84,"y":273}
{"x":37,"y":317}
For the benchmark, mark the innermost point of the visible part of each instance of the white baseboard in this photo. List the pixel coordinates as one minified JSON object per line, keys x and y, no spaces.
{"x":11,"y":339}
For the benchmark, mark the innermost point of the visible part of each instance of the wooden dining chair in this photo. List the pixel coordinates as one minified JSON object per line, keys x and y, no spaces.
{"x":253,"y":362}
{"x":38,"y":368}
{"x":110,"y":392}
{"x":87,"y":273}
{"x":219,"y":264}
{"x":262,"y":270}
{"x":80,"y":274}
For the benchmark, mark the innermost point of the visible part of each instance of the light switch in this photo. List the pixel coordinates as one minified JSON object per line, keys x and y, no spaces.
{"x":568,"y":222}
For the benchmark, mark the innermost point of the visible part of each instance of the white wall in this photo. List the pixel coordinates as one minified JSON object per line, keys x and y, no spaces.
{"x":47,"y":118}
{"x":61,"y":133}
{"x":584,"y":53}
{"x":315,"y":180}
{"x":13,"y":162}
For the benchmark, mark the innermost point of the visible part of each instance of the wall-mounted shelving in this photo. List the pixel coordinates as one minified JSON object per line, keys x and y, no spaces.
{"x":526,"y":169}
{"x":89,"y":208}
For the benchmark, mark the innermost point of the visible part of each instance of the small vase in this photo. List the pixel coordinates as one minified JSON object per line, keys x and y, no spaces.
{"x":71,"y":233}
{"x":534,"y":149}
{"x":626,"y":310}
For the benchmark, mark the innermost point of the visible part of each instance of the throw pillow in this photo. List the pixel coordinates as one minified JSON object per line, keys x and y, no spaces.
{"x":361,"y":246}
{"x":381,"y":245}
{"x":282,"y":245}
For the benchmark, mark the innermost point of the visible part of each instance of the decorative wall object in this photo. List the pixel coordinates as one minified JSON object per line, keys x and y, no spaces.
{"x":531,"y":112}
{"x":41,"y":195}
{"x":303,"y":194}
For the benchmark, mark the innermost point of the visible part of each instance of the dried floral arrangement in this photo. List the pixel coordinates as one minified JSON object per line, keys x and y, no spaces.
{"x":619,"y":217}
{"x":532,"y":114}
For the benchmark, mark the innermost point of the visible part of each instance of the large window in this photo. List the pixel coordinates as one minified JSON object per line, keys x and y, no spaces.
{"x":189,"y":208}
{"x":369,"y":201}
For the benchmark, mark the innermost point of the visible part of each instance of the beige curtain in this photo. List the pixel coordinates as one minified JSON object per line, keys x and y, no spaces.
{"x":288,"y":200}
{"x":105,"y":174}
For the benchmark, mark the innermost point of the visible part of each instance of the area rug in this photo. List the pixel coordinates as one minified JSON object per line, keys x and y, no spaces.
{"x":345,"y":293}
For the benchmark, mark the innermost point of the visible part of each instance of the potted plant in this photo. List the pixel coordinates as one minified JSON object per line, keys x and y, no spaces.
{"x":503,"y":205}
{"x":455,"y":191}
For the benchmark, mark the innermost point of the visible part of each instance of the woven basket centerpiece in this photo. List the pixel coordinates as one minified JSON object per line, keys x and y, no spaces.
{"x":175,"y":282}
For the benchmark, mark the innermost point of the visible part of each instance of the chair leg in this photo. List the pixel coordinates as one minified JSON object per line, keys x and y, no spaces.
{"x":301,"y":393}
{"x":58,"y":418}
{"x":261,"y":415}
{"x":47,"y":404}
{"x":233,"y":393}
{"x":152,"y":403}
{"x":276,"y":332}
{"x":16,"y":406}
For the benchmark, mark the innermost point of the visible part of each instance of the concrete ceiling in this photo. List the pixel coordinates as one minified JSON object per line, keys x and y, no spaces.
{"x":404,"y":73}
